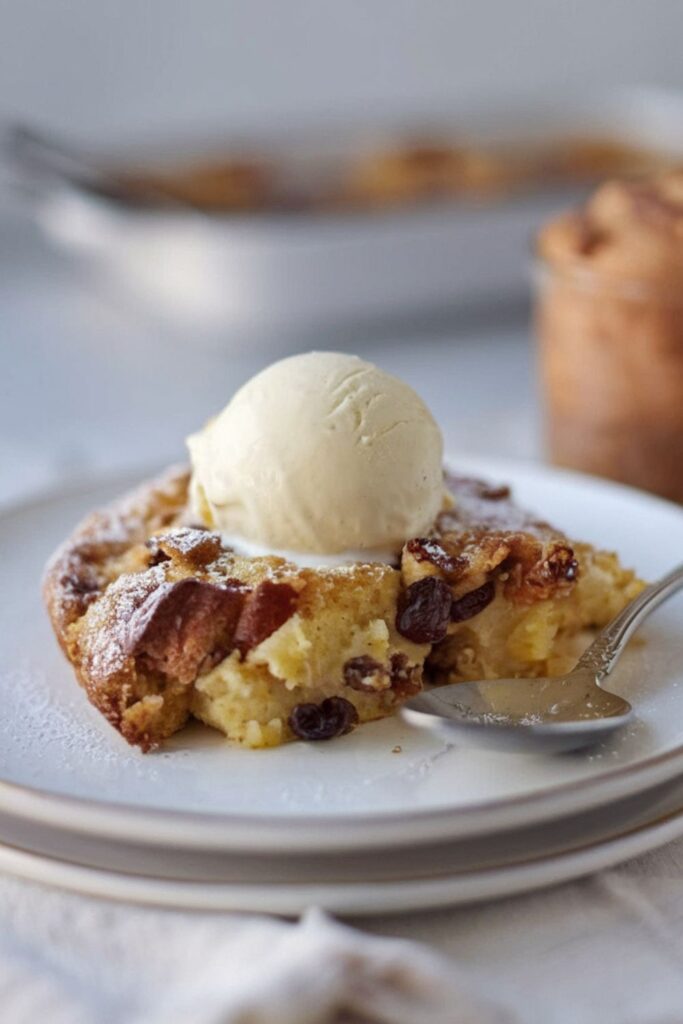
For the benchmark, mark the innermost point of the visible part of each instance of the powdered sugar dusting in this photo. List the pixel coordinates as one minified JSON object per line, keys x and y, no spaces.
{"x":104,"y":643}
{"x":61,"y":729}
{"x":185,"y":539}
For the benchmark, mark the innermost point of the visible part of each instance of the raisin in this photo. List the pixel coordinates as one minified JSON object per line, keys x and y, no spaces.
{"x":265,"y":610}
{"x":424,"y":549}
{"x":361,"y":672}
{"x":335,"y":716}
{"x":424,"y":611}
{"x":470,"y":604}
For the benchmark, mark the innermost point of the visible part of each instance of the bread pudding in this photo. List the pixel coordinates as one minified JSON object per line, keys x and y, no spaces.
{"x":314,"y":568}
{"x":164,"y":622}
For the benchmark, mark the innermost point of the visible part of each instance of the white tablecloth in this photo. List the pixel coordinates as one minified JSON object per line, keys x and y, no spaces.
{"x":85,"y":387}
{"x":603,"y":950}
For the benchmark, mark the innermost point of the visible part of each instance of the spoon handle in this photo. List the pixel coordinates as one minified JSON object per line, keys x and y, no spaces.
{"x":603,"y":654}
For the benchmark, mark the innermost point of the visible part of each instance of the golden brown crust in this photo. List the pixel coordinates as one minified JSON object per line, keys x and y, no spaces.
{"x":90,"y":558}
{"x":105,"y":544}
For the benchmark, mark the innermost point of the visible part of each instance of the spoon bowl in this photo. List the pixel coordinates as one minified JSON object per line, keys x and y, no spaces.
{"x":522,"y":715}
{"x":543,"y":715}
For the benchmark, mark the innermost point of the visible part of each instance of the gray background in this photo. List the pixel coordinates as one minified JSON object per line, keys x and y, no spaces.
{"x":101,"y":68}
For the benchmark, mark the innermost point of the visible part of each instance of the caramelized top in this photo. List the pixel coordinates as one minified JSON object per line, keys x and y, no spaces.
{"x":485,"y":534}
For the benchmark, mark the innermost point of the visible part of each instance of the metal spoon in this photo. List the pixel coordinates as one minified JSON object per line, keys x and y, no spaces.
{"x":543,"y":715}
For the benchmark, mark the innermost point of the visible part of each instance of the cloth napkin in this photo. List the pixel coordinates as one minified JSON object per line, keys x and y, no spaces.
{"x":606,"y":949}
{"x":66,"y":959}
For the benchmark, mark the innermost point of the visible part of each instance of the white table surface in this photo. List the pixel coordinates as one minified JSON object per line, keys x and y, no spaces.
{"x":86,"y":387}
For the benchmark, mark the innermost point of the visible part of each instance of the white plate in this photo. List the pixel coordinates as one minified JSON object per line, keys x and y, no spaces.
{"x":534,"y":866}
{"x":60,"y":763}
{"x":381,"y":864}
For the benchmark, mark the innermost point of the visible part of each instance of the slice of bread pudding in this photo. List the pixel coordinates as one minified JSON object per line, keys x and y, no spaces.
{"x":162,"y":621}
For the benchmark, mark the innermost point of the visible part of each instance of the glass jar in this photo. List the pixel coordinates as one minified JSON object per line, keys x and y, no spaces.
{"x":611,"y":367}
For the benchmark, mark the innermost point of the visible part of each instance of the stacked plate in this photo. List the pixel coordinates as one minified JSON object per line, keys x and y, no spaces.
{"x":384,"y":819}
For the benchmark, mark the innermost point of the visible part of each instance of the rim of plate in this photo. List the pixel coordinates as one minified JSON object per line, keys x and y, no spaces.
{"x":351,"y":898}
{"x":304,"y":834}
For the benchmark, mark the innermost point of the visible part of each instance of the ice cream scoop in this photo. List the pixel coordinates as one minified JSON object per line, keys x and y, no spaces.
{"x":321,"y":453}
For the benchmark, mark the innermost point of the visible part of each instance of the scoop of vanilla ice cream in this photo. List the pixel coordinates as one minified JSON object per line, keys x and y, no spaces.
{"x":320,"y":453}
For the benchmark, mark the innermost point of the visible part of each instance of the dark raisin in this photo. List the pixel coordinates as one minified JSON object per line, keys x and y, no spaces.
{"x":334,"y":717}
{"x":424,"y":549}
{"x":360,"y":672}
{"x":470,"y":604}
{"x":424,"y":611}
